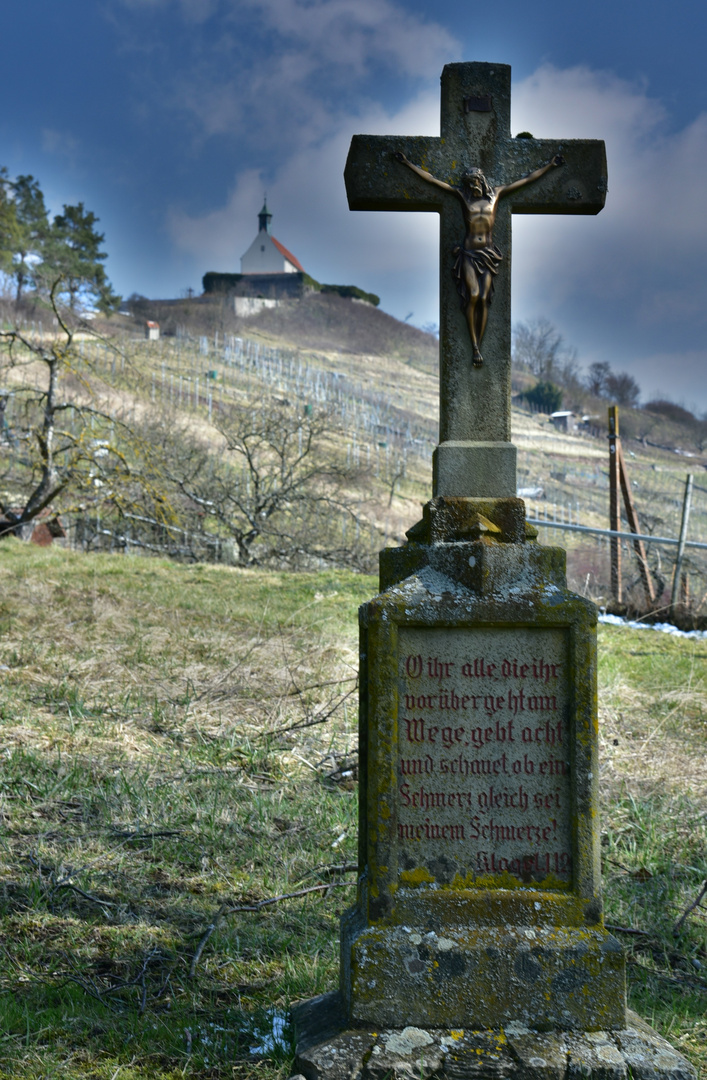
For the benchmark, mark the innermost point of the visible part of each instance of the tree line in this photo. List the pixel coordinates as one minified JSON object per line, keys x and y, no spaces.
{"x":540,"y":349}
{"x":41,"y":254}
{"x":540,"y":352}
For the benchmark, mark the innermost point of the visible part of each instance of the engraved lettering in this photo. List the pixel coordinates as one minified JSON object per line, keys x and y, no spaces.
{"x":417,"y":766}
{"x":502,"y":784}
{"x":413,"y":667}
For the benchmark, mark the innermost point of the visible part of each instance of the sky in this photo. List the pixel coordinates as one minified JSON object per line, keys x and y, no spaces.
{"x":170,"y":119}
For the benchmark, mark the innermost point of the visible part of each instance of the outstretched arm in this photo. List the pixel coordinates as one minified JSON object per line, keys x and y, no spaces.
{"x":425,"y":175}
{"x":531,"y":177}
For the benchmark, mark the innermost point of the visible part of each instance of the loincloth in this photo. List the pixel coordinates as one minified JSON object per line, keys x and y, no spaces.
{"x":484,"y":260}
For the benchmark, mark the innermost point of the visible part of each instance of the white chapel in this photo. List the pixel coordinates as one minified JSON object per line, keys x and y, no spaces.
{"x":266,"y":255}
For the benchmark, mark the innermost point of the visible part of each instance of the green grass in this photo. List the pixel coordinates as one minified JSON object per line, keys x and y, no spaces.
{"x":172,"y":740}
{"x":653,"y":713}
{"x":148,"y":780}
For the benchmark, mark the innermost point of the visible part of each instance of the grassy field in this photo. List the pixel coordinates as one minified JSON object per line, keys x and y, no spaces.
{"x":178,"y":746}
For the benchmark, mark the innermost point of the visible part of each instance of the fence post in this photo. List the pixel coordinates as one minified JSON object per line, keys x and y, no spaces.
{"x":687,"y":500}
{"x":633,"y":525}
{"x":614,"y":505}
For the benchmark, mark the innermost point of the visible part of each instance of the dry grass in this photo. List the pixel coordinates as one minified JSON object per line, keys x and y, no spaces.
{"x":178,"y":741}
{"x":653,"y":715}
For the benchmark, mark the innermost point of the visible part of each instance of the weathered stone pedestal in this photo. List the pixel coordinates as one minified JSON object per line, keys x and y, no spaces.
{"x":479,"y":902}
{"x":477,"y":946}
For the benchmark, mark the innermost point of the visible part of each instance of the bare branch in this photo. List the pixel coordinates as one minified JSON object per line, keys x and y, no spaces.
{"x":691,"y":907}
{"x":225,"y":910}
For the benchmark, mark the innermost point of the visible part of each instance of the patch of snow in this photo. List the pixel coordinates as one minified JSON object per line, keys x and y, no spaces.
{"x":662,"y":627}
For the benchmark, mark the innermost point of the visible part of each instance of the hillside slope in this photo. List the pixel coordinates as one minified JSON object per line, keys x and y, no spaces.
{"x":380,"y":377}
{"x":334,"y":323}
{"x":180,"y":743}
{"x":321,"y":321}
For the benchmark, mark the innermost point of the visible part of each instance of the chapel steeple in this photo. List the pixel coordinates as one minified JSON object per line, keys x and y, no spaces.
{"x":264,"y":218}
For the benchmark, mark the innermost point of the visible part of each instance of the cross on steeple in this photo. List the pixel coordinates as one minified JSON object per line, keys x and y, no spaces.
{"x":475,"y":456}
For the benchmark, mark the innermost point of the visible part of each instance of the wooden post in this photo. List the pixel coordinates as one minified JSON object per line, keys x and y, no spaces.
{"x":687,"y":500}
{"x":614,"y":505}
{"x":639,"y":546}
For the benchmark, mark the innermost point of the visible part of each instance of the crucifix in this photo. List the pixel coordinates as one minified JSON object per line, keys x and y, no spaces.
{"x":475,"y":175}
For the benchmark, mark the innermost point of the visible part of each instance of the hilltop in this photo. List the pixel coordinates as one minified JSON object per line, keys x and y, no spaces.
{"x":320,"y":321}
{"x":329,"y":323}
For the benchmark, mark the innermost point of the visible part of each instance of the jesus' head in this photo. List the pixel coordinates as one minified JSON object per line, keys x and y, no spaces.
{"x":475,"y":182}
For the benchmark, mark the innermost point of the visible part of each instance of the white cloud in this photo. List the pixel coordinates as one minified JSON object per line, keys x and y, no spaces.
{"x":311,"y":216}
{"x":350,"y":33}
{"x":217,"y":239}
{"x":654,"y":210}
{"x":625,"y":286}
{"x":306,"y":96}
{"x":629,"y":284}
{"x":61,"y":144}
{"x":288,"y":72}
{"x":192,"y":10}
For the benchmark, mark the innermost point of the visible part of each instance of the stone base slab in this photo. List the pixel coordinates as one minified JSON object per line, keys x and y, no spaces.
{"x":546,"y":977}
{"x":330,"y":1049}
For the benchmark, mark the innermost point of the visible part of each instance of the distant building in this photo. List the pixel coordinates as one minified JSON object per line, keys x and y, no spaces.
{"x":152,"y":331}
{"x":564,"y":420}
{"x":271,"y":275}
{"x":266,"y":255}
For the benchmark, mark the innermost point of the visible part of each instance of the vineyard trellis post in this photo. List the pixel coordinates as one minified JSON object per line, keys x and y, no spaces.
{"x":687,"y":501}
{"x":618,"y":475}
{"x":614,"y":506}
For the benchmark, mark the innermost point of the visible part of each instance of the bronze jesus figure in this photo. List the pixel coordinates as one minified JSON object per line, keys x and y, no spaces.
{"x":477,"y":259}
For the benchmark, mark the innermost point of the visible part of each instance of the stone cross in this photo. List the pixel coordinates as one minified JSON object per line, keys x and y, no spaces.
{"x":476,"y":946}
{"x":475,"y":456}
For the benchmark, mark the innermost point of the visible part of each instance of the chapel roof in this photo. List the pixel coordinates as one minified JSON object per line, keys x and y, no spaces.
{"x":288,"y":254}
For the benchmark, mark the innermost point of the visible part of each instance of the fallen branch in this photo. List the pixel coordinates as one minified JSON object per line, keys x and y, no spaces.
{"x":89,"y":986}
{"x":136,"y":834}
{"x":626,"y":930}
{"x":224,"y":910}
{"x":86,"y":895}
{"x":320,"y":718}
{"x":331,"y":871}
{"x":297,"y":691}
{"x":690,"y":907}
{"x":676,"y":980}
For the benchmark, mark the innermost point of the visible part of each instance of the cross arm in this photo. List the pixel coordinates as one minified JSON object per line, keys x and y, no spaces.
{"x":577,"y":187}
{"x":376,"y":181}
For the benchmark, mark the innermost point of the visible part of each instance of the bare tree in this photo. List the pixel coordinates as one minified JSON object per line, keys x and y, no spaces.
{"x":623,"y":389}
{"x":540,"y":348}
{"x":597,"y":378}
{"x":278,"y":486}
{"x":62,"y":450}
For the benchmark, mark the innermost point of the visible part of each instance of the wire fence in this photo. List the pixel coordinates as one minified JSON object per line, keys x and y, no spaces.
{"x":392,"y":434}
